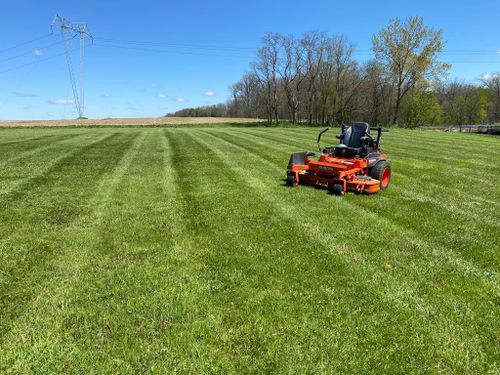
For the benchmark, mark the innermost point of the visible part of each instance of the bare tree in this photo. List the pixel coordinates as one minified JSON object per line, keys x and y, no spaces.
{"x":292,"y":74}
{"x":375,"y":94}
{"x":336,"y":77}
{"x":288,"y":72}
{"x":266,"y":68}
{"x":312,"y":44}
{"x":346,"y":80}
{"x":246,"y":96}
{"x":316,"y":77}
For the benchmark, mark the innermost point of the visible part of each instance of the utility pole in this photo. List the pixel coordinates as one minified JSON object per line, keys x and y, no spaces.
{"x":69,"y":31}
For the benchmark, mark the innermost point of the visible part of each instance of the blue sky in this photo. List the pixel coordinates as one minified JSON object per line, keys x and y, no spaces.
{"x":203,"y":47}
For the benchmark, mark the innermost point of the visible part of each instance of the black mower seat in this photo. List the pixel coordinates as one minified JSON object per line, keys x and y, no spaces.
{"x":352,"y":143}
{"x":354,"y":133}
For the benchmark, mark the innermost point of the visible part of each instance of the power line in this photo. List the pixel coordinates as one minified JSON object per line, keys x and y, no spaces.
{"x":171,"y":51}
{"x":482,"y":54}
{"x":175,"y":45}
{"x":31,"y":63}
{"x":462,"y":52}
{"x":186,"y":53}
{"x":29,"y":52}
{"x":136,"y":45}
{"x":243,"y":56}
{"x":25,"y":43}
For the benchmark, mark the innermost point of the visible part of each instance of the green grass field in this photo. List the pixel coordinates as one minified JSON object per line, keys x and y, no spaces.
{"x":156,"y":250}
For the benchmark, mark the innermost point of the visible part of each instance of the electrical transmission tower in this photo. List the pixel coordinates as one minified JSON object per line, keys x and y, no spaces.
{"x":69,"y":31}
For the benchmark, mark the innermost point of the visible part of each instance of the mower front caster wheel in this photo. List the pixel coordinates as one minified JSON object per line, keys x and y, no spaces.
{"x":336,"y":189}
{"x":290,"y":180}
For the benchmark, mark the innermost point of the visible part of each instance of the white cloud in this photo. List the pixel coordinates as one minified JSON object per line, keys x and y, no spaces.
{"x":209,"y":93}
{"x":106,"y":95}
{"x":498,"y":52}
{"x":180,"y":100}
{"x":490,"y":76}
{"x":61,"y":101}
{"x":38,"y":52}
{"x":162,"y":95}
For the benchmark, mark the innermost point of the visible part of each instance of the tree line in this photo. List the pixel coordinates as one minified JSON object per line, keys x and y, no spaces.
{"x":316,"y":79}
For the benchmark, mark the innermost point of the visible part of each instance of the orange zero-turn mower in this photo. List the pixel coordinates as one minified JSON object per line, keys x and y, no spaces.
{"x":356,"y":164}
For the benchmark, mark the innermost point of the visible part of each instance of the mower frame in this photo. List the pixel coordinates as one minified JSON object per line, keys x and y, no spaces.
{"x":341,"y":168}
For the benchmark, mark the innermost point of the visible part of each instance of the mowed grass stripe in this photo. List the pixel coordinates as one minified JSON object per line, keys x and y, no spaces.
{"x":478,"y":210}
{"x":44,"y":209}
{"x":181,"y":251}
{"x":14,"y":138}
{"x":14,"y":148}
{"x":32,"y":174}
{"x":275,"y":294}
{"x":80,"y":240}
{"x":488,"y":273}
{"x":37,"y":148}
{"x":137,"y":288}
{"x":455,"y":227}
{"x":477,"y":214}
{"x":22,"y":169}
{"x":389,"y":296}
{"x":276,"y":165}
{"x":475,"y":282}
{"x":147,"y":276}
{"x":146,"y":287}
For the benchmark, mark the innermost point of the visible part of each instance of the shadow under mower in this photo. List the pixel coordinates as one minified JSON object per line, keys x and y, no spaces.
{"x":356,"y":164}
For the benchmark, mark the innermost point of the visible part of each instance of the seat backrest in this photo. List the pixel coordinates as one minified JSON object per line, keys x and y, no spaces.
{"x":353,"y":134}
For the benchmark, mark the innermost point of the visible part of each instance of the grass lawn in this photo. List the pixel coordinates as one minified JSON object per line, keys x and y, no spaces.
{"x":156,"y":250}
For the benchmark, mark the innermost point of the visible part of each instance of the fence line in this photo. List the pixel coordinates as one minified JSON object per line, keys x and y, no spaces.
{"x":484,"y":129}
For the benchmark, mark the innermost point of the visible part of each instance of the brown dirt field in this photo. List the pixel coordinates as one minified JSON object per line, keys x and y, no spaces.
{"x":127,"y":121}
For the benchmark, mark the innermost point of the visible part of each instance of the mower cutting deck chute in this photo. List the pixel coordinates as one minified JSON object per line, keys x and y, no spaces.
{"x":356,"y":164}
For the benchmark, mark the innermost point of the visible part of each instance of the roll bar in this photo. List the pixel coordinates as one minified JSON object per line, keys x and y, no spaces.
{"x":379,"y":131}
{"x":319,"y":138}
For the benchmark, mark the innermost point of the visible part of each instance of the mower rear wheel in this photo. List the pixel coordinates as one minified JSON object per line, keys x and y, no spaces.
{"x":382,"y":172}
{"x":290,"y":180}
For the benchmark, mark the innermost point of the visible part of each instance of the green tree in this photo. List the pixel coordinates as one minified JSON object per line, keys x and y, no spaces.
{"x":492,"y":82}
{"x":470,"y":107}
{"x":408,"y":51}
{"x":478,"y":105}
{"x":418,"y":109}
